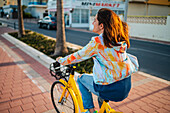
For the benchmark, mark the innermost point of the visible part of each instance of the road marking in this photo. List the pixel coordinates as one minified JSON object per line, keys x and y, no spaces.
{"x":149,"y":51}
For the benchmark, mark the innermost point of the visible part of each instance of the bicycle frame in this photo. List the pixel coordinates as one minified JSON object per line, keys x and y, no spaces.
{"x":71,"y":86}
{"x":73,"y":89}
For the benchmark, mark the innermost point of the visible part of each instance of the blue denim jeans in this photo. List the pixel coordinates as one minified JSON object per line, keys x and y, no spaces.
{"x":85,"y":83}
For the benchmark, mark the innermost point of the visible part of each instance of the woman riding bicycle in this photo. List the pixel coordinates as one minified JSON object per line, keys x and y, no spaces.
{"x":112,"y":69}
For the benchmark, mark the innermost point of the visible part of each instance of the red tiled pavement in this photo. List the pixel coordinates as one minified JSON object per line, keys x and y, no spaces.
{"x":18,"y":93}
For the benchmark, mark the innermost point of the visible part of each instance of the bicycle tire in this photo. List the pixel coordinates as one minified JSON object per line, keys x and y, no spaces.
{"x":67,"y":105}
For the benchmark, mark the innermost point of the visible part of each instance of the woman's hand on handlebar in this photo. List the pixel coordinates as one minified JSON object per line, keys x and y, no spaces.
{"x":57,"y":59}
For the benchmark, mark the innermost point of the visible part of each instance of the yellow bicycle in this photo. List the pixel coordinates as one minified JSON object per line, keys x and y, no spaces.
{"x":65,"y":95}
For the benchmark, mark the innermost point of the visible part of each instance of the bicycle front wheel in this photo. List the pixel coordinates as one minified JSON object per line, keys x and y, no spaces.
{"x":62,"y":99}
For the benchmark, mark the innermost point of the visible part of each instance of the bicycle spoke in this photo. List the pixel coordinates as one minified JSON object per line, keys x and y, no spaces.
{"x":66,"y":104}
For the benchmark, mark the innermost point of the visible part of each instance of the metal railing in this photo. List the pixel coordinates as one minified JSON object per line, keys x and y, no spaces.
{"x":32,"y":20}
{"x":147,"y":20}
{"x":10,"y":24}
{"x":14,"y":22}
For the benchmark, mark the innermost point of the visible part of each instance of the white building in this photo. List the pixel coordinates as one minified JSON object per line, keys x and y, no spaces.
{"x":84,"y":10}
{"x":35,"y":7}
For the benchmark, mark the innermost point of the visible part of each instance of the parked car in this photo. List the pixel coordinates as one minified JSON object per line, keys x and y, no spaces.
{"x":48,"y":22}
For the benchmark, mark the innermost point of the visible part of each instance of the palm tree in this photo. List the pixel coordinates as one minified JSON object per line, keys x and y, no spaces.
{"x":21,"y":31}
{"x":60,"y":48}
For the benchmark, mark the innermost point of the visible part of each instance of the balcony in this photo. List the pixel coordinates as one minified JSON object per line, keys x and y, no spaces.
{"x":37,"y":3}
{"x":135,"y":1}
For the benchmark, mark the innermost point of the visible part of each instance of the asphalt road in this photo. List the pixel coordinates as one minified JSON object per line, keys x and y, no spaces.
{"x":153,"y":57}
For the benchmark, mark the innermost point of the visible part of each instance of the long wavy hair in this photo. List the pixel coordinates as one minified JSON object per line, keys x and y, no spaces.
{"x":115,"y":30}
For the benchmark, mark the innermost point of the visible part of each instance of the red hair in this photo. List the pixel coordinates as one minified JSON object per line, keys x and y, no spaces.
{"x":115,"y":30}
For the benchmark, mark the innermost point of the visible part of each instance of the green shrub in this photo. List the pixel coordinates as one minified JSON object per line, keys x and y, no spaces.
{"x":0,"y":23}
{"x":27,"y":15}
{"x":47,"y":46}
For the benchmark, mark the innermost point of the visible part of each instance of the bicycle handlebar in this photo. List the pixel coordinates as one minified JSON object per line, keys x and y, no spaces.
{"x":59,"y":71}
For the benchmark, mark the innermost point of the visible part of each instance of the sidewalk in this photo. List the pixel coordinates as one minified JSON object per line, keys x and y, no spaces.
{"x":25,"y":85}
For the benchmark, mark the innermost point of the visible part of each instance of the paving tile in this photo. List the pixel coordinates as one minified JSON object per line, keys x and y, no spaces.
{"x":147,"y":100}
{"x":7,"y":95}
{"x":161,"y":110}
{"x":2,"y":100}
{"x":38,"y":97}
{"x":27,"y":91}
{"x":47,"y":100}
{"x":140,"y":103}
{"x":4,"y":111}
{"x":29,"y":111}
{"x":49,"y":106}
{"x":167,"y":107}
{"x":40,"y":109}
{"x":36,"y":92}
{"x":25,"y":87}
{"x":134,"y":96}
{"x":148,"y":109}
{"x":165,"y":100}
{"x":16,"y":93}
{"x":153,"y":106}
{"x":125,"y":109}
{"x":15,"y":89}
{"x":46,"y":95}
{"x":4,"y":106}
{"x":158,"y":104}
{"x":39,"y":103}
{"x":133,"y":106}
{"x":17,"y":109}
{"x":6,"y":91}
{"x":16,"y":97}
{"x":153,"y":97}
{"x":27,"y":106}
{"x":26,"y":95}
{"x":139,"y":111}
{"x":15,"y":103}
{"x":27,"y":100}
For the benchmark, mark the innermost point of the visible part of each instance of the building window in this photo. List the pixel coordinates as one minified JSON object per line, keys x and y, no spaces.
{"x":93,"y":12}
{"x":120,"y":12}
{"x":76,"y":16}
{"x":84,"y":16}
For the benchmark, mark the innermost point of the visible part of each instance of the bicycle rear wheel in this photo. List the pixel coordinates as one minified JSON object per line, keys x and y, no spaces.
{"x":67,"y":103}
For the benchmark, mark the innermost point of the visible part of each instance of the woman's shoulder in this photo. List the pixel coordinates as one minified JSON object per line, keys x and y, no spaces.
{"x":97,"y":39}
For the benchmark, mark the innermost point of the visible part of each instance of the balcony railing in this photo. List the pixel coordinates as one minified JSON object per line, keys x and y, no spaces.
{"x":37,"y":3}
{"x":147,"y":20}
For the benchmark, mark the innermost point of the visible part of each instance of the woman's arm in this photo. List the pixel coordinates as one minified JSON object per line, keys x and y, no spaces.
{"x":86,"y":52}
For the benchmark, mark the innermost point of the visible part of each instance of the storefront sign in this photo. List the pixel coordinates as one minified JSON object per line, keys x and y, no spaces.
{"x":101,"y":4}
{"x":96,"y":5}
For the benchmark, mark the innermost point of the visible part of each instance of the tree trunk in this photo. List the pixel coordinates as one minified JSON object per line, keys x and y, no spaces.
{"x":60,"y":48}
{"x":21,"y":31}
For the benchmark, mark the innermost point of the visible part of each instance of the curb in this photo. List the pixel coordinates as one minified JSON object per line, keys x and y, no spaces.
{"x":37,"y":55}
{"x":153,"y":77}
{"x":29,"y":50}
